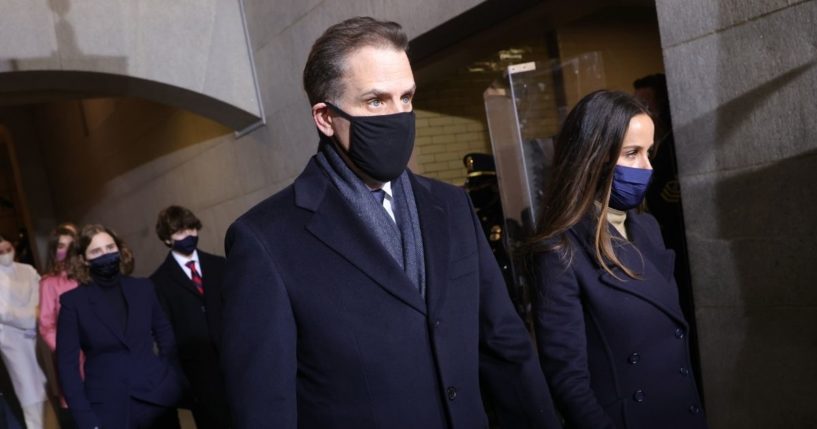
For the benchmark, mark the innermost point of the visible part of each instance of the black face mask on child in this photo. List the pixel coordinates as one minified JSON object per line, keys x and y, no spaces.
{"x":187,"y":245}
{"x":105,"y":267}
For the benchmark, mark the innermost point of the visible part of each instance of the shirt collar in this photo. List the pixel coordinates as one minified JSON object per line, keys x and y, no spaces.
{"x":184,"y":259}
{"x":387,"y":189}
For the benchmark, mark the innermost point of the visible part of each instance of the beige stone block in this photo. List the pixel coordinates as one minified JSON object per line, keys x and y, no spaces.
{"x":443,"y":138}
{"x":471,"y":136}
{"x":447,"y":156}
{"x":456,"y":128}
{"x":227,"y":74}
{"x":436,"y":148}
{"x":21,"y":48}
{"x":436,"y":166}
{"x":456,"y":166}
{"x":429,"y":131}
{"x":425,"y":159}
{"x":423,"y":141}
{"x":440,"y":121}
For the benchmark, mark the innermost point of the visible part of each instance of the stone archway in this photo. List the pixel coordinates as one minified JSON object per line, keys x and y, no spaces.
{"x":192,"y":55}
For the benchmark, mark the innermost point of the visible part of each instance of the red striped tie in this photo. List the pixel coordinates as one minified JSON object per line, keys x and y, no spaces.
{"x":194,"y":275}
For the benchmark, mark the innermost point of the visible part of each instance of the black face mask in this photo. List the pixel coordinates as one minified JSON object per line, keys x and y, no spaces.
{"x":380,"y":145}
{"x":187,"y":245}
{"x":105,"y":267}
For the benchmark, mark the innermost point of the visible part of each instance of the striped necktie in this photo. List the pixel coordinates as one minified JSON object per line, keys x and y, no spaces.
{"x":196,"y":277}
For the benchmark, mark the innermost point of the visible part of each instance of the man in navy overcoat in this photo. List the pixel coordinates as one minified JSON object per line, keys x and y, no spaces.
{"x":364,"y":296}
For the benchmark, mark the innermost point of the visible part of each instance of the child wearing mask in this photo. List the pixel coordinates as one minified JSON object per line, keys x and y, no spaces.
{"x":55,"y":282}
{"x":19,"y":295}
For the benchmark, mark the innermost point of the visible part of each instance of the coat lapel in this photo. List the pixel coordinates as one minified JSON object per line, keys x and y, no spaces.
{"x":661,"y":258}
{"x":434,"y":229}
{"x":179,"y":277}
{"x":639,"y":255}
{"x":336,"y":225}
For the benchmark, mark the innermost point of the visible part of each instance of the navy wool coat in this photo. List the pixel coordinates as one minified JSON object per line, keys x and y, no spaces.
{"x":616,"y":352}
{"x":196,"y":321}
{"x":322,"y":329}
{"x":118,"y":366}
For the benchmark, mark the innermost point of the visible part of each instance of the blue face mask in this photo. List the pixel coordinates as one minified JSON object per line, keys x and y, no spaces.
{"x":629,"y":187}
{"x":187,"y":245}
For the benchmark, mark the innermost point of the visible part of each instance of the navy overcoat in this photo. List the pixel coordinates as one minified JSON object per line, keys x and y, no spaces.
{"x":322,"y":329}
{"x":196,"y":319}
{"x":616,"y":350}
{"x":119,"y":365}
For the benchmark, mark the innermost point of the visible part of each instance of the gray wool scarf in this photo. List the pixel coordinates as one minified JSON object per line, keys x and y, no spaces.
{"x":401,"y":238}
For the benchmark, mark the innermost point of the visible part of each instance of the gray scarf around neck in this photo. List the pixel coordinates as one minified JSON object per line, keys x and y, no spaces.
{"x":400,"y":238}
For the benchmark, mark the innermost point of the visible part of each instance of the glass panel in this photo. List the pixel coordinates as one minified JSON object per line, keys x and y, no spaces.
{"x":524,"y":111}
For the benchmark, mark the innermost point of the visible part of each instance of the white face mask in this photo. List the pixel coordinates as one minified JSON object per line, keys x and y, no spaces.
{"x":7,"y":259}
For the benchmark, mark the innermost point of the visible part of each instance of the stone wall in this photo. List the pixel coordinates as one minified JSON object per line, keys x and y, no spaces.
{"x":742,"y":78}
{"x":190,"y":54}
{"x":178,"y":157}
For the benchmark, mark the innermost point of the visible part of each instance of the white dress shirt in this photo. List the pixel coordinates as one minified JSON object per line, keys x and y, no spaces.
{"x":387,"y":201}
{"x":182,"y":260}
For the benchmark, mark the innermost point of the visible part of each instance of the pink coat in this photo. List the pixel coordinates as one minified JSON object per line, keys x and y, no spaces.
{"x":51,"y":287}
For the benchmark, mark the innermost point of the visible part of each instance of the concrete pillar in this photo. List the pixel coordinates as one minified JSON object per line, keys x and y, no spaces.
{"x":742,"y":78}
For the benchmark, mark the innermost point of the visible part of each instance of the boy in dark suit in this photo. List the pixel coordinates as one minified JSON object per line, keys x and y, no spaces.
{"x":188,"y":284}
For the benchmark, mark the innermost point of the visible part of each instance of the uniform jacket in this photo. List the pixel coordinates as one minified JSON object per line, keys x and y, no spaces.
{"x":616,"y":351}
{"x":324,"y":330}
{"x":118,"y":365}
{"x":196,"y":319}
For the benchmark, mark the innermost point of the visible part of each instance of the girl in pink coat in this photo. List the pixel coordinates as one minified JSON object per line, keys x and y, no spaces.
{"x":56,"y":281}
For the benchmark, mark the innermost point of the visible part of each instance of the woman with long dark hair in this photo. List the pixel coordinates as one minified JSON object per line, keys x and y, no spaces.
{"x":611,"y":336}
{"x":114,"y":320}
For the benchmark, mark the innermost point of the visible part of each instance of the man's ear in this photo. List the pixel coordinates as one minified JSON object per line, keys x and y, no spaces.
{"x":323,"y":120}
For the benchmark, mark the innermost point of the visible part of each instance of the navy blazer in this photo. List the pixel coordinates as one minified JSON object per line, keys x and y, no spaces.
{"x":118,"y":366}
{"x":616,"y":352}
{"x":322,"y":329}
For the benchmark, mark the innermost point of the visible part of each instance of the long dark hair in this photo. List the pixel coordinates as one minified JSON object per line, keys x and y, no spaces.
{"x":79,"y":270}
{"x":585,"y":157}
{"x":52,"y":266}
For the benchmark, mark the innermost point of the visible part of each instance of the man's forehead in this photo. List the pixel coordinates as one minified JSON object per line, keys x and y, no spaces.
{"x":376,"y":67}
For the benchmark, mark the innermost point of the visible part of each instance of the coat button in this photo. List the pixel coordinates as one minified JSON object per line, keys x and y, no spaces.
{"x":437,"y":323}
{"x":634,"y":358}
{"x":684,"y":371}
{"x":679,"y":333}
{"x":694,"y":409}
{"x":451,"y":392}
{"x":639,"y":395}
{"x":203,"y":309}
